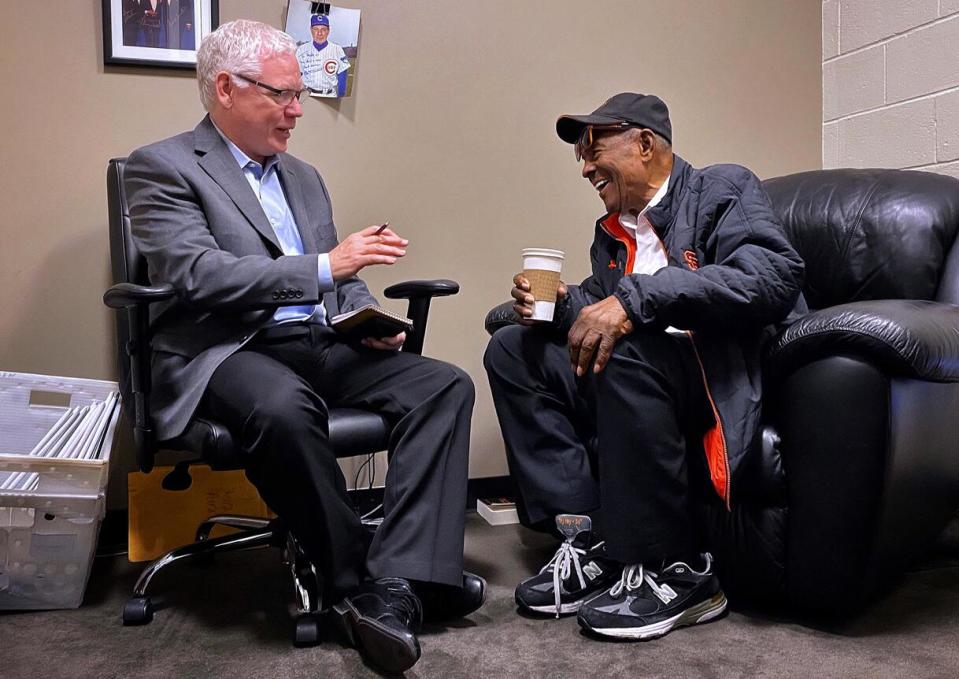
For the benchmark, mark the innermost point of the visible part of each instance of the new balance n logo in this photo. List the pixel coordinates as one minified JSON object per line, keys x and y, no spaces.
{"x":665,"y":593}
{"x":592,"y":570}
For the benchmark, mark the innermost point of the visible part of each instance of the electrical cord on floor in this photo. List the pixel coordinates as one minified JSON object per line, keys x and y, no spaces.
{"x":370,"y":465}
{"x":356,"y":477}
{"x":103,"y":555}
{"x":372,"y":511}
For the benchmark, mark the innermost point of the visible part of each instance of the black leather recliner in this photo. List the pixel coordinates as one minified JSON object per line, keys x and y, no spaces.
{"x":859,"y":466}
{"x":351,"y":431}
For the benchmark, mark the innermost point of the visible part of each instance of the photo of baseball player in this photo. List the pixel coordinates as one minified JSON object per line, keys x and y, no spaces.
{"x":326,"y":41}
{"x":323,"y":63}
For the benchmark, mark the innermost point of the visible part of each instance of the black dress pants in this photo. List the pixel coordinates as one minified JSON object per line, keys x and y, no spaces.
{"x":615,"y":442}
{"x":274,"y":397}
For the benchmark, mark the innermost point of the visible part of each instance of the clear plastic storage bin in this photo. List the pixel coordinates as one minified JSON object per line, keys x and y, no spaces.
{"x":48,"y":535}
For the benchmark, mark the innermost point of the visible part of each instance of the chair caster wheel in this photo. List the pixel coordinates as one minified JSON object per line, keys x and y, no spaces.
{"x":307,"y":630}
{"x":138,"y":611}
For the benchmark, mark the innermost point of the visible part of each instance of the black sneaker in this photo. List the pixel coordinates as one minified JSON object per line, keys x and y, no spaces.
{"x":646,"y":605}
{"x":579,"y":570}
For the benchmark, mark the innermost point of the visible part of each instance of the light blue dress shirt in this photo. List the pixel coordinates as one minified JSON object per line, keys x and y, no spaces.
{"x":265,"y":182}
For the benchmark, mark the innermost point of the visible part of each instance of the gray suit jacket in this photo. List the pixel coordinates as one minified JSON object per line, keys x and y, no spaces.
{"x":201,"y":228}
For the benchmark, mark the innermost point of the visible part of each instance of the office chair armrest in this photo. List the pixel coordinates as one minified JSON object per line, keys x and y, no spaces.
{"x":915,"y":339}
{"x":410,"y":289}
{"x":134,"y":301}
{"x":420,"y":293}
{"x":126,"y":295}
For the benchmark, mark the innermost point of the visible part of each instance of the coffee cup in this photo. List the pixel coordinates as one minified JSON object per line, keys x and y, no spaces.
{"x":542,"y":268}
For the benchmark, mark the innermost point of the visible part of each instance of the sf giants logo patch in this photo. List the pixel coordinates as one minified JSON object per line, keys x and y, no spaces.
{"x":330,"y":66}
{"x":691,"y":260}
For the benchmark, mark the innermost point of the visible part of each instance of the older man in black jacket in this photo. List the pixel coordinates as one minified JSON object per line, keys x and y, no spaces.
{"x":647,"y":380}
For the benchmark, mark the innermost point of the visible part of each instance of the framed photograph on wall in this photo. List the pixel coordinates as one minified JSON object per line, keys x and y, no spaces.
{"x":327,"y":40}
{"x":164,"y":33}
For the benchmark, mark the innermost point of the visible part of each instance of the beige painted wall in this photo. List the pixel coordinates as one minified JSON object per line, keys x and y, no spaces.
{"x":449,"y":135}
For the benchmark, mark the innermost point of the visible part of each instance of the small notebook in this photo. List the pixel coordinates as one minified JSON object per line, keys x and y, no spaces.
{"x":370,"y":321}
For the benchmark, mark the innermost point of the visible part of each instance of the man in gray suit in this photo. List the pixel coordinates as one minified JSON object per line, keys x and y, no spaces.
{"x":244,"y":232}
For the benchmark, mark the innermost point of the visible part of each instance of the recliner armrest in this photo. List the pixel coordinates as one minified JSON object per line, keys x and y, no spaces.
{"x":907,"y":338}
{"x":500,"y":316}
{"x":434,"y":288}
{"x":124,"y":295}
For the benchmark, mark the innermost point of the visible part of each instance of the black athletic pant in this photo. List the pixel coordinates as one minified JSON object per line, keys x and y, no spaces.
{"x":640,"y":411}
{"x":274,"y":395}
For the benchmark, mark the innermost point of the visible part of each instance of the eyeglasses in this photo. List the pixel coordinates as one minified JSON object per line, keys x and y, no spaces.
{"x":587,"y":138}
{"x":281,"y":97}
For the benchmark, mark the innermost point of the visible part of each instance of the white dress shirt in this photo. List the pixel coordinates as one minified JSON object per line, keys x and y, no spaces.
{"x":265,"y":182}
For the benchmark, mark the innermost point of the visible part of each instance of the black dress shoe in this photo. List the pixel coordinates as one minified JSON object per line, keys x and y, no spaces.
{"x":380,"y":620}
{"x":446,"y":602}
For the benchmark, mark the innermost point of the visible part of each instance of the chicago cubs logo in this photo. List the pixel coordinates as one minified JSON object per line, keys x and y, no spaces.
{"x":330,"y":66}
{"x":691,"y":260}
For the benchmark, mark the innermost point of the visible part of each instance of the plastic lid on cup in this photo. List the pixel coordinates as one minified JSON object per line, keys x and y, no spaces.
{"x":543,"y":252}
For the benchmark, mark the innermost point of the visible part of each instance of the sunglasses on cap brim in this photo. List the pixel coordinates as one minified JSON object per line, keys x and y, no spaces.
{"x":587,"y":137}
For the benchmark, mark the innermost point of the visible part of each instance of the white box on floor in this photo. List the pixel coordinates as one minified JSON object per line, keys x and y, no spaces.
{"x":497,"y":512}
{"x":48,"y":535}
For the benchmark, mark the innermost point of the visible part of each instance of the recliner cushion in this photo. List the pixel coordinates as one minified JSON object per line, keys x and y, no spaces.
{"x":868,"y":234}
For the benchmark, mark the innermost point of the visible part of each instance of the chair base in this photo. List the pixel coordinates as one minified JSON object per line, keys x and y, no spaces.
{"x":255,"y":532}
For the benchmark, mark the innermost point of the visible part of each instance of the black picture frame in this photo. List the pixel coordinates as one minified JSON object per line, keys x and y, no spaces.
{"x":161,"y":35}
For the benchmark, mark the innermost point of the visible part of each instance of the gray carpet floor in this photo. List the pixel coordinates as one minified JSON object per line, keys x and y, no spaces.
{"x":232,"y":619}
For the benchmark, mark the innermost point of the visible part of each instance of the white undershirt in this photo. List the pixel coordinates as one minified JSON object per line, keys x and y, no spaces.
{"x":650,"y":254}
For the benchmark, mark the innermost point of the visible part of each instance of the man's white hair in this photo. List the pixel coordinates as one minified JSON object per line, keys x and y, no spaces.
{"x":237,"y":47}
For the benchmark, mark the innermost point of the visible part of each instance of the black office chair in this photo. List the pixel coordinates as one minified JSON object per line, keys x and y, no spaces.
{"x":352,"y":432}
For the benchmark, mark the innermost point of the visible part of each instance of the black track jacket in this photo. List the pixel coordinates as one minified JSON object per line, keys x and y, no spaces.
{"x":731,"y":274}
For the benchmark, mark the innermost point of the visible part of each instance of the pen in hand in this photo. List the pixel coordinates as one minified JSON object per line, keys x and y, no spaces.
{"x":382,"y":228}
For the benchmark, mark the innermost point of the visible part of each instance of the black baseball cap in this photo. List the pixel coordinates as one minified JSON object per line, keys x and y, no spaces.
{"x":643,"y":110}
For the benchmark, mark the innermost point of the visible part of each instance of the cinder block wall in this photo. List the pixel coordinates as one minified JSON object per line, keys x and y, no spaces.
{"x":890,"y":78}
